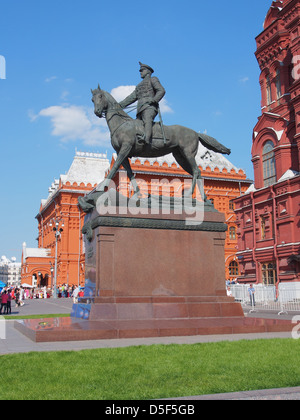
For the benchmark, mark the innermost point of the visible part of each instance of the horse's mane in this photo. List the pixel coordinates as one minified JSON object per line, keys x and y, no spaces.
{"x":116,"y":105}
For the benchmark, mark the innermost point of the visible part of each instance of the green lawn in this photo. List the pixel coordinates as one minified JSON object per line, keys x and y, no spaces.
{"x":8,"y":317}
{"x":149,"y":372}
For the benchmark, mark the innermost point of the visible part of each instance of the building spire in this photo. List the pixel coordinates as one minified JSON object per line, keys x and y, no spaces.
{"x":276,"y":7}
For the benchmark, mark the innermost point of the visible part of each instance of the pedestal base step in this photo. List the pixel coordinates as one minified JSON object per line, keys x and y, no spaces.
{"x":70,"y":329}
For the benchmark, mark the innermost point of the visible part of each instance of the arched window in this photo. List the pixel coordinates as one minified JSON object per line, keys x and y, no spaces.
{"x":268,"y":158}
{"x":232,"y":233}
{"x":269,"y":275}
{"x":233,"y":268}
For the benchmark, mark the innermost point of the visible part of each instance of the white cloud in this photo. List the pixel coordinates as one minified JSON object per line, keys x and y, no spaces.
{"x":79,"y":123}
{"x":32,"y":116}
{"x":244,"y":79}
{"x":165,"y":107}
{"x":50,"y":79}
{"x":72,"y":123}
{"x":64,"y":95}
{"x":120,"y":92}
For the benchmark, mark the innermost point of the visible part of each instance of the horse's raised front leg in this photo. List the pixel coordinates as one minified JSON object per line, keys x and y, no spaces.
{"x":122,"y":155}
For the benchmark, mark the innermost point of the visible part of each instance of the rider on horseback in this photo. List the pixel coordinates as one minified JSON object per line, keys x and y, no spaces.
{"x":148,"y":94}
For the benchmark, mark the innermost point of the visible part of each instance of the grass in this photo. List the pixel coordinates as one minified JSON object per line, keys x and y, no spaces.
{"x":150,"y":372}
{"x":8,"y":317}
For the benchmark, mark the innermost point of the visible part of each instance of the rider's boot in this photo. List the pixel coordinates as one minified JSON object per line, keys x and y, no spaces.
{"x":142,"y":139}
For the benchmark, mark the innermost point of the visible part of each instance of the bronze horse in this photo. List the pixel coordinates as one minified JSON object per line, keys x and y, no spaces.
{"x":182,"y":142}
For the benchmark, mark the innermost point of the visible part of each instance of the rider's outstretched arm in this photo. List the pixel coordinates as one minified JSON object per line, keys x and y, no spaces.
{"x":129,"y":100}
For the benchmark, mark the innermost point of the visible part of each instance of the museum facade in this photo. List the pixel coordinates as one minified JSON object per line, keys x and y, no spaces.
{"x":60,"y":219}
{"x":268,"y":216}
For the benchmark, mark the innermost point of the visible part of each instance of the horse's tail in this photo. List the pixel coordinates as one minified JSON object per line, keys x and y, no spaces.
{"x":212,"y":144}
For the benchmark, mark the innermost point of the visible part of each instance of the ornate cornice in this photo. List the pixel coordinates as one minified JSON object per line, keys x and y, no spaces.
{"x":150,"y":223}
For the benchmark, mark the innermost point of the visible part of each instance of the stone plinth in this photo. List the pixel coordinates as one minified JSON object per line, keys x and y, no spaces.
{"x":71,"y":329}
{"x":153,"y":265}
{"x":157,"y":274}
{"x":152,"y":274}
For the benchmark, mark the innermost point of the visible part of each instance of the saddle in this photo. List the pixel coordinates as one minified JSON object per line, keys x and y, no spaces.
{"x":158,"y":140}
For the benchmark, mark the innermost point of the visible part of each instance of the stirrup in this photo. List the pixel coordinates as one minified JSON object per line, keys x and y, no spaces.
{"x":140,"y":138}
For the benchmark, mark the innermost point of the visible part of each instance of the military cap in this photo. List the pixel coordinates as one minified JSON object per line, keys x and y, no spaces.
{"x":146,"y":67}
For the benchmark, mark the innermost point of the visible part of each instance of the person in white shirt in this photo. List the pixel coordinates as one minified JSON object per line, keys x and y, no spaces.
{"x":21,"y":300}
{"x":75,"y":295}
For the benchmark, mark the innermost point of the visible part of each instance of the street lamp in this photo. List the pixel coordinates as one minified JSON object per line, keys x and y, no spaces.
{"x":57,"y":230}
{"x":51,"y":270}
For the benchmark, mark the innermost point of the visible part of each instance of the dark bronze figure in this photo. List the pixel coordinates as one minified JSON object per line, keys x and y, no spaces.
{"x":182,"y":142}
{"x":148,"y":94}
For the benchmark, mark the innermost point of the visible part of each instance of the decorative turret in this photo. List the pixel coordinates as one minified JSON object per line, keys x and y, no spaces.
{"x":268,"y":214}
{"x":275,"y":137}
{"x":273,"y":12}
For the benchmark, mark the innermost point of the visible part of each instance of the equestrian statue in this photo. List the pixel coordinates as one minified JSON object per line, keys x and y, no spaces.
{"x":142,"y":137}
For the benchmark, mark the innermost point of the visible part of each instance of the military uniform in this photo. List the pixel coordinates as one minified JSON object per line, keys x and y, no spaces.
{"x":148,"y":93}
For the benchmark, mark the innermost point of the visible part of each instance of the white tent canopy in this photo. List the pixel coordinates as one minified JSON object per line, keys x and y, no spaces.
{"x":27,"y":285}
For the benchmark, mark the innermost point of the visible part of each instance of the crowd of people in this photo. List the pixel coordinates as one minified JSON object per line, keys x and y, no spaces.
{"x":228,"y":283}
{"x":7,"y":296}
{"x":66,"y":291}
{"x":20,"y":294}
{"x":251,"y":290}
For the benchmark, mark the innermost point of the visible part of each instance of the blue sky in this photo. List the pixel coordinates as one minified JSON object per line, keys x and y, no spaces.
{"x":55,"y":52}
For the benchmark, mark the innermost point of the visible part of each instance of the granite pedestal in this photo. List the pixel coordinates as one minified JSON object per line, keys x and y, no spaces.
{"x":152,"y":274}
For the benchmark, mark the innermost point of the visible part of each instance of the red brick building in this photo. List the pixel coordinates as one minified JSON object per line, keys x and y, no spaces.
{"x":268,"y":215}
{"x":223,"y":182}
{"x":61,"y":205}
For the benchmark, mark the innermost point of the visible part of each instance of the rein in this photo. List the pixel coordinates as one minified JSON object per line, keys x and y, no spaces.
{"x":114,"y":113}
{"x":114,"y":110}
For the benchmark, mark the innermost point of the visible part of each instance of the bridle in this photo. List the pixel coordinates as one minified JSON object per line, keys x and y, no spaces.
{"x":113,"y":111}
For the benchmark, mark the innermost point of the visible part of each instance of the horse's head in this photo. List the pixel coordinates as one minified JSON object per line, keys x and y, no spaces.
{"x":100,"y":101}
